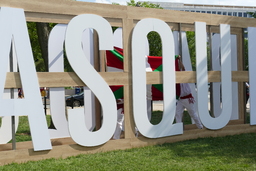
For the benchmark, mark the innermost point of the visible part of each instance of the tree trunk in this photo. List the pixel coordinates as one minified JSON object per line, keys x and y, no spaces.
{"x":43,"y":31}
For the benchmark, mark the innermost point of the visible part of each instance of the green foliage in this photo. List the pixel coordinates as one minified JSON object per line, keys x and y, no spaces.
{"x":37,"y":53}
{"x":155,"y":44}
{"x":67,"y":66}
{"x":246,"y":54}
{"x":253,"y":14}
{"x":143,"y":4}
{"x":192,"y":48}
{"x":39,"y":62}
{"x":114,"y":3}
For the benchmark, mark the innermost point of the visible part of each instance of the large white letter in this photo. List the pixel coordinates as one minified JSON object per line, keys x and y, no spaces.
{"x":216,"y":87}
{"x":13,"y":27}
{"x":91,"y":78}
{"x":165,"y":127}
{"x":252,"y":70}
{"x":56,"y":64}
{"x":57,"y":95}
{"x":202,"y":77}
{"x":6,"y":126}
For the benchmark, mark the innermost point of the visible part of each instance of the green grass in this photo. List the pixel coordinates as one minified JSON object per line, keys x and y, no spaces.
{"x":222,"y":153}
{"x":23,"y":132}
{"x":156,"y":117}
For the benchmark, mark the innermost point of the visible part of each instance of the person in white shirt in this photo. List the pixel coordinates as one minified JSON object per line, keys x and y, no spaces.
{"x":247,"y":93}
{"x":186,"y":100}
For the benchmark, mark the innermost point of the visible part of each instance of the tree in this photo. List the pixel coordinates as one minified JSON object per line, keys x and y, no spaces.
{"x":39,"y":62}
{"x":246,"y":64}
{"x":253,"y":14}
{"x":39,"y":34}
{"x":43,"y":31}
{"x":192,"y":46}
{"x":143,"y":4}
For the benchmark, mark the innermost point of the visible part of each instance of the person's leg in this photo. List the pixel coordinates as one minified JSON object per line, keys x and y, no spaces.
{"x":246,"y":100}
{"x":179,"y":111}
{"x":192,"y":112}
{"x":119,"y":125}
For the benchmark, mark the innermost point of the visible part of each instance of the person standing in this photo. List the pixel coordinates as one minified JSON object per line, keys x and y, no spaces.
{"x":247,"y":93}
{"x":20,"y":93}
{"x":185,"y":99}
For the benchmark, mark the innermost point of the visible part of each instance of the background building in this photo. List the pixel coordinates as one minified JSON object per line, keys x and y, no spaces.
{"x":239,"y":11}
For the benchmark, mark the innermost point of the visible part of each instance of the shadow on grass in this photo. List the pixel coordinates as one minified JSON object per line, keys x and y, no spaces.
{"x":235,"y":147}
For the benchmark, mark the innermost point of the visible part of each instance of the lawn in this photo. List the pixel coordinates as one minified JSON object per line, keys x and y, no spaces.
{"x":236,"y":152}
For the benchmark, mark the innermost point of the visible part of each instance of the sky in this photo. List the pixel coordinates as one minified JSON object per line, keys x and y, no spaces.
{"x":208,"y":2}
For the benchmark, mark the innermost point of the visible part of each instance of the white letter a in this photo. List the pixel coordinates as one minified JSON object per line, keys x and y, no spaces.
{"x":13,"y":27}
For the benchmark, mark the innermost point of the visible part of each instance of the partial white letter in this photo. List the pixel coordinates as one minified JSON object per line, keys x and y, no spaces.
{"x":91,"y":78}
{"x":6,"y":126}
{"x":165,"y":127}
{"x":202,"y":77}
{"x":252,"y":70}
{"x":13,"y":27}
{"x":57,"y":95}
